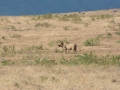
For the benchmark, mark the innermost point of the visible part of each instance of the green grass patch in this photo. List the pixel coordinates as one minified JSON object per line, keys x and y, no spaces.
{"x":7,"y":62}
{"x":90,"y":58}
{"x":43,"y":25}
{"x":80,"y":59}
{"x":109,"y":35}
{"x":47,"y":16}
{"x":104,"y":16}
{"x":64,"y":18}
{"x":93,"y":41}
{"x":118,"y":32}
{"x":16,"y":36}
{"x":32,"y":48}
{"x":51,"y":43}
{"x":8,"y":51}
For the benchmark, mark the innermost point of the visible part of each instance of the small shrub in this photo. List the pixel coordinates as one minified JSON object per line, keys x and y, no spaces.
{"x":47,"y":16}
{"x":32,"y":57}
{"x":13,"y":28}
{"x":104,"y":16}
{"x":40,"y":47}
{"x":64,"y":18}
{"x":16,"y":36}
{"x":43,"y":78}
{"x":118,"y":33}
{"x":109,"y":35}
{"x":36,"y":17}
{"x":8,"y":50}
{"x":63,"y":61}
{"x":0,"y":43}
{"x":115,"y":59}
{"x":54,"y":79}
{"x":93,"y":41}
{"x":90,"y":58}
{"x":16,"y":85}
{"x":32,"y":48}
{"x":114,"y":80}
{"x":76,"y":18}
{"x":7,"y":62}
{"x":3,"y":37}
{"x":47,"y":62}
{"x":87,"y":58}
{"x":43,"y":25}
{"x":51,"y":43}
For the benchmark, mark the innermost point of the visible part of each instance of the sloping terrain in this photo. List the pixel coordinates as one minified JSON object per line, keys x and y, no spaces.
{"x":26,"y":40}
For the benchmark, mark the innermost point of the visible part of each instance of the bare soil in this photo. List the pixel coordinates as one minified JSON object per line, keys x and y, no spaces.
{"x":26,"y":31}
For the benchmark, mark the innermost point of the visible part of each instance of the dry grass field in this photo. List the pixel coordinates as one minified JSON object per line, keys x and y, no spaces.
{"x":31,"y":60}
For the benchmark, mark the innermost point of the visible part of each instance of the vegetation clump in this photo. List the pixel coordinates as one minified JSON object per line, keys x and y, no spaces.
{"x":84,"y":59}
{"x":43,"y":25}
{"x":92,"y":42}
{"x":90,"y":58}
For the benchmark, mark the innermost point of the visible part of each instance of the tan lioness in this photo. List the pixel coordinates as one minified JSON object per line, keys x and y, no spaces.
{"x":68,"y":47}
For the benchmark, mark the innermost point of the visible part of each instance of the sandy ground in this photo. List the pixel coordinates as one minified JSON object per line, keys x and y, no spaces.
{"x":59,"y":78}
{"x":26,"y":31}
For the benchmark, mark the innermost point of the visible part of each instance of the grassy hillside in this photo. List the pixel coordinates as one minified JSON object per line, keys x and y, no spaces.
{"x":30,"y":58}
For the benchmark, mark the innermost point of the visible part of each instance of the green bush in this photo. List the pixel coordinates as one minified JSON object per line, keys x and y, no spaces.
{"x":40,"y":47}
{"x":76,"y":19}
{"x":43,"y":25}
{"x":118,"y":33}
{"x":36,"y":17}
{"x":44,"y":61}
{"x":41,"y":17}
{"x":3,"y":37}
{"x":51,"y":43}
{"x":47,"y":16}
{"x":104,"y":16}
{"x":16,"y":36}
{"x":87,"y":58}
{"x":7,"y":62}
{"x":8,"y":51}
{"x":115,"y":59}
{"x":90,"y":58}
{"x":109,"y":35}
{"x":47,"y":62}
{"x":64,"y":18}
{"x":93,"y":41}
